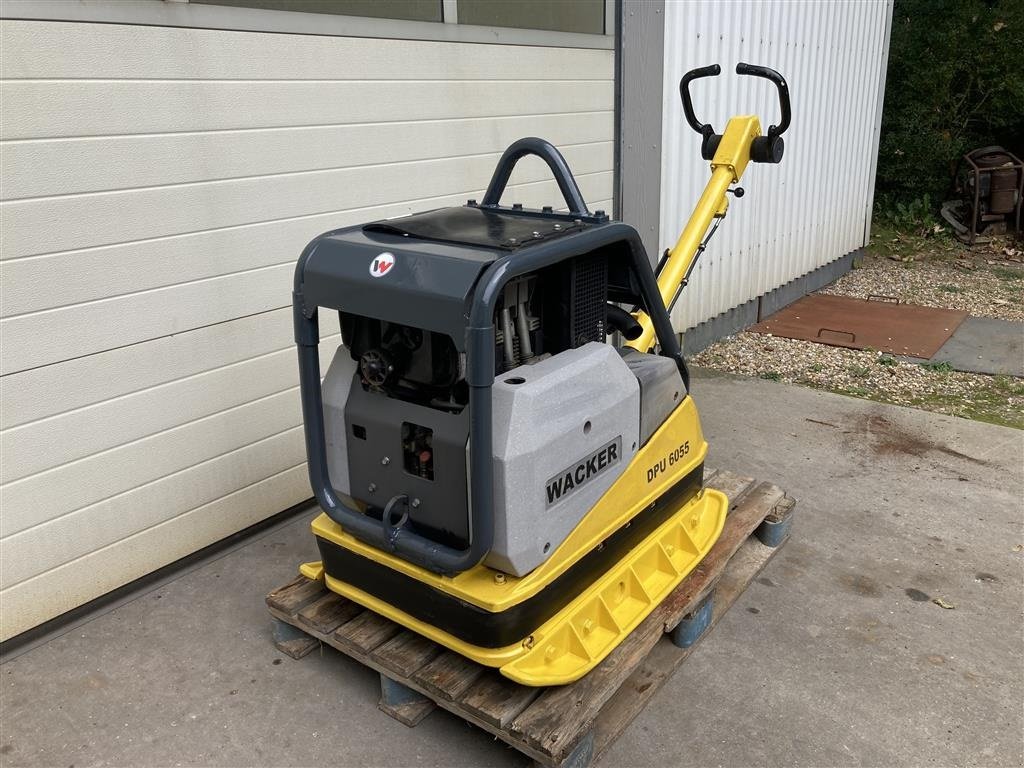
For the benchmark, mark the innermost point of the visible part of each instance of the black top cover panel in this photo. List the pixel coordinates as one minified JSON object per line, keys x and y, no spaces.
{"x":477,"y":227}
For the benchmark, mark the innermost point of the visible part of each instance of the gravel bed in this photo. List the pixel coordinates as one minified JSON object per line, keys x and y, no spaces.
{"x":982,"y":289}
{"x":869,"y":374}
{"x":987,"y":281}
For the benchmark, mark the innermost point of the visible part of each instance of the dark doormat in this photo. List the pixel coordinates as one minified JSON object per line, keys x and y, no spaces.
{"x":841,"y":321}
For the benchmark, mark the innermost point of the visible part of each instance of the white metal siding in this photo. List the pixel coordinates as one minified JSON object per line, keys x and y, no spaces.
{"x":158,"y":184}
{"x":815,"y":206}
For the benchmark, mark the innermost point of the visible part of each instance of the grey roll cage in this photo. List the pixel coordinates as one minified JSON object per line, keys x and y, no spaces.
{"x":479,"y":348}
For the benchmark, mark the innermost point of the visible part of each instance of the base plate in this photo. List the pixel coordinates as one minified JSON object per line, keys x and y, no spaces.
{"x":578,"y":637}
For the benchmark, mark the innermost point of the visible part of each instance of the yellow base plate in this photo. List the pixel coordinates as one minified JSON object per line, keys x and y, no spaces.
{"x":577,"y":638}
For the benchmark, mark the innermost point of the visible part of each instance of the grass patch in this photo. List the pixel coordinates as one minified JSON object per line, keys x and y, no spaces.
{"x":771,"y":376}
{"x":1005,"y":273}
{"x":937,"y":367}
{"x":861,"y":392}
{"x":951,"y":289}
{"x":908,"y":244}
{"x":886,"y":360}
{"x":859,"y":371}
{"x":989,"y":405}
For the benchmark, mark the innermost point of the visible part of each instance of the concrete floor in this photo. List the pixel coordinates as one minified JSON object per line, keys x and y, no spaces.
{"x":836,"y":656}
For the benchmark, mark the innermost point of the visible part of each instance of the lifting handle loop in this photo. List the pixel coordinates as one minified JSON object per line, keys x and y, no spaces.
{"x":546,"y":152}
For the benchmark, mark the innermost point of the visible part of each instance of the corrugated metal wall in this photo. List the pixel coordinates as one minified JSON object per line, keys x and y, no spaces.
{"x":815,"y":206}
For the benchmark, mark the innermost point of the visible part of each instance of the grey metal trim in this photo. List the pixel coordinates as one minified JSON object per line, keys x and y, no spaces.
{"x":450,"y":11}
{"x":877,"y":132}
{"x":640,"y":118}
{"x":718,"y":327}
{"x":193,"y":15}
{"x":736,"y":319}
{"x":799,"y":287}
{"x":616,"y":6}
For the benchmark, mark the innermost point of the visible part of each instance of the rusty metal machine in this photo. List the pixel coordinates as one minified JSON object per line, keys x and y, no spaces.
{"x":989,"y":183}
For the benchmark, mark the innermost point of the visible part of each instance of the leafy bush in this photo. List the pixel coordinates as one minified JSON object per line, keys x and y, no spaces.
{"x":954,"y":83}
{"x":915,"y":215}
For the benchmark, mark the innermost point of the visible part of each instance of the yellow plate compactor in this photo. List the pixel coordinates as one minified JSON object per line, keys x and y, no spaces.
{"x":493,"y":474}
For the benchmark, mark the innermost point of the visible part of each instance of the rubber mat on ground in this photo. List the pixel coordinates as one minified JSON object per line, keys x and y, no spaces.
{"x":882,"y":324}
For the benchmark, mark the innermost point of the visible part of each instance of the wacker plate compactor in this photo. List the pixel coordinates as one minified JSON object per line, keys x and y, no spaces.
{"x":493,"y":474}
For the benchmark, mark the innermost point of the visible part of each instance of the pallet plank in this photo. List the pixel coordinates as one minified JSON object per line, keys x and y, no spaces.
{"x":562,"y":716}
{"x":664,"y":658}
{"x":297,"y":647}
{"x":754,"y":507}
{"x":497,"y":699}
{"x":406,"y":653}
{"x":365,"y":632}
{"x":732,"y":485}
{"x":404,"y":704}
{"x":449,"y":675}
{"x":329,"y":612}
{"x":295,"y":595}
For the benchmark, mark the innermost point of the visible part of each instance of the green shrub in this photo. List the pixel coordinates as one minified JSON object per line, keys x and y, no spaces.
{"x":954,"y":83}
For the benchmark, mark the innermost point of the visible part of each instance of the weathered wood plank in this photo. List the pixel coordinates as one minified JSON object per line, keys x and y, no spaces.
{"x":406,"y":653}
{"x":664,"y":658}
{"x":297,"y":647}
{"x":752,"y":508}
{"x":497,"y":699}
{"x":328,"y":612}
{"x":449,"y":675}
{"x":732,"y":485}
{"x":364,"y":633}
{"x":561,"y":716}
{"x":295,"y":595}
{"x":406,"y":705}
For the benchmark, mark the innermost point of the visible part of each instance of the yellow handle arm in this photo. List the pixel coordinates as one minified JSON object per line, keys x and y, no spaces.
{"x":727,"y":167}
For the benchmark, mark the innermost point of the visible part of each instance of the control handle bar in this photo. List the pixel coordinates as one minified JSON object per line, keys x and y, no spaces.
{"x":764,"y":149}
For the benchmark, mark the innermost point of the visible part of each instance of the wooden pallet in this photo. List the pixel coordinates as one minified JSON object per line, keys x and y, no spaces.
{"x":568,"y":725}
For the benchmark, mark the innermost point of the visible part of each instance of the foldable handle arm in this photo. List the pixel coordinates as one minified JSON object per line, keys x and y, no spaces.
{"x":546,"y":152}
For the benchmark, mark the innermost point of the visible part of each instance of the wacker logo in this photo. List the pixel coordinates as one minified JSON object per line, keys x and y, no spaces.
{"x":381,"y":264}
{"x":582,"y":472}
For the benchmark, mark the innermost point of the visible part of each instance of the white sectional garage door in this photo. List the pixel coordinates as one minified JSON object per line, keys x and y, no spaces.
{"x":157,"y":185}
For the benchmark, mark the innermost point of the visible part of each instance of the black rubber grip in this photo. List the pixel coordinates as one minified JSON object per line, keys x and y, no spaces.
{"x":756,"y":70}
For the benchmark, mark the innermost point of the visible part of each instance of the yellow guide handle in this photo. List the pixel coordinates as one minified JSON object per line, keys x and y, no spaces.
{"x":730,"y":154}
